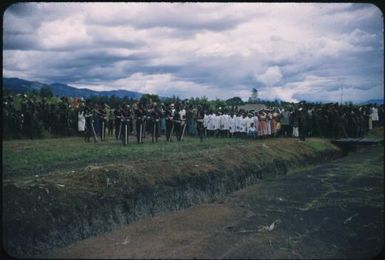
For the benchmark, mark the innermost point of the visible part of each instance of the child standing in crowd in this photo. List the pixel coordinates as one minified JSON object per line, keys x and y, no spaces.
{"x":252,"y":131}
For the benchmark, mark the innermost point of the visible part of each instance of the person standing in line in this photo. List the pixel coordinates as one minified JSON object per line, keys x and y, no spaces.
{"x":125,"y":122}
{"x":117,"y":122}
{"x":81,"y":121}
{"x":381,"y":115}
{"x":232,"y":125}
{"x":155,"y":114}
{"x":110,"y":123}
{"x":374,"y":116}
{"x":210,"y":123}
{"x":205,"y":122}
{"x":275,"y":124}
{"x":191,"y":115}
{"x":269,"y":117}
{"x":226,"y":124}
{"x":302,"y":123}
{"x":102,"y":115}
{"x":252,"y":131}
{"x":162,"y":122}
{"x":255,"y":120}
{"x":262,"y":130}
{"x":139,"y":116}
{"x":177,"y":124}
{"x":89,"y":127}
{"x":182,"y":116}
{"x":295,"y":120}
{"x":199,"y":122}
{"x":169,"y":122}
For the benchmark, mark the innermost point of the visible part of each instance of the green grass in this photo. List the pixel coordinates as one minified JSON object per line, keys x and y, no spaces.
{"x":46,"y":156}
{"x":316,"y":145}
{"x":376,"y":133}
{"x":30,"y":157}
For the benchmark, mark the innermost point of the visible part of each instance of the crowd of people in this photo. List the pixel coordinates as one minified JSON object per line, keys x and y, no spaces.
{"x":331,"y":121}
{"x":177,"y":120}
{"x":32,"y":116}
{"x":24,"y":116}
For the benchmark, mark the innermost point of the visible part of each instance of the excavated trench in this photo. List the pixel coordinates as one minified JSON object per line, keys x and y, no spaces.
{"x":43,"y":215}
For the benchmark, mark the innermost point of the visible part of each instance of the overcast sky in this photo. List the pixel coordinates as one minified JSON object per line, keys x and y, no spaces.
{"x":288,"y":51}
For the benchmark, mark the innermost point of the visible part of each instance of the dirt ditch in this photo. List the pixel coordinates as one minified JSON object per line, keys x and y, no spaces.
{"x":332,"y":210}
{"x":40,"y":213}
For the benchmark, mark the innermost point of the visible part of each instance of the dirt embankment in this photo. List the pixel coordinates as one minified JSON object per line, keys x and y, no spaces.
{"x":332,"y":210}
{"x":53,"y":211}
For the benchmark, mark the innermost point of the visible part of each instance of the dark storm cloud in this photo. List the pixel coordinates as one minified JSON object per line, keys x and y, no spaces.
{"x":21,"y":9}
{"x":19,"y":42}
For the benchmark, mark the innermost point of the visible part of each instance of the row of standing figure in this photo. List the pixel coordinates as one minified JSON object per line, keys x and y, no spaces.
{"x":139,"y":120}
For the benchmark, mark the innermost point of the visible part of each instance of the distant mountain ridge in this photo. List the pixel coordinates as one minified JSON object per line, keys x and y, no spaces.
{"x":17,"y":85}
{"x":373,"y":101}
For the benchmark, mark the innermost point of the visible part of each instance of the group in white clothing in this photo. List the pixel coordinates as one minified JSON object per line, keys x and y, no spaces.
{"x":238,"y":124}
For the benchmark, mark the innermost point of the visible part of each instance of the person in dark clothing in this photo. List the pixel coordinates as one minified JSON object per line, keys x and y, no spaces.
{"x":139,"y":116}
{"x":154,"y":122}
{"x":311,"y":122}
{"x":177,"y":124}
{"x":101,"y":116}
{"x":117,"y":122}
{"x":381,"y":116}
{"x":302,"y":123}
{"x":341,"y":125}
{"x":125,"y":119}
{"x":352,"y":128}
{"x":27,"y":122}
{"x":89,"y":125}
{"x":169,"y":122}
{"x":199,"y":122}
{"x":110,"y":123}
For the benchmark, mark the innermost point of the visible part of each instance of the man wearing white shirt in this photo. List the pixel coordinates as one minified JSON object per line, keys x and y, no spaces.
{"x":182,"y":115}
{"x":221,"y":124}
{"x":232,"y":124}
{"x":244,"y":121}
{"x":374,"y":116}
{"x":217,"y":123}
{"x":249,"y":121}
{"x":205,"y":122}
{"x":238,"y":124}
{"x":226,"y":124}
{"x":210,"y":124}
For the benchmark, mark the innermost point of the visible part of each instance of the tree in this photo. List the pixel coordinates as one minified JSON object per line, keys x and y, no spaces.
{"x":149,"y":98}
{"x":220,"y":104}
{"x":46,"y":92}
{"x":234,"y":101}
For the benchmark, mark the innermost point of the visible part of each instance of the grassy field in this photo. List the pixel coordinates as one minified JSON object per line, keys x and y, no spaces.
{"x":47,"y":156}
{"x":43,"y":156}
{"x":90,"y":187}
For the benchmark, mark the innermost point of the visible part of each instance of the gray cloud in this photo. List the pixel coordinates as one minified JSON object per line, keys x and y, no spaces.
{"x":21,"y":10}
{"x":288,"y":51}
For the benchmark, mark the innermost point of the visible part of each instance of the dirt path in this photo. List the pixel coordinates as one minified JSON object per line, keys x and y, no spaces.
{"x":334,"y":210}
